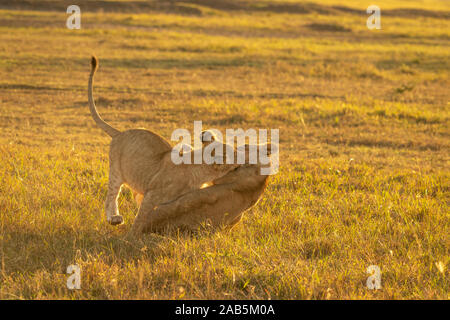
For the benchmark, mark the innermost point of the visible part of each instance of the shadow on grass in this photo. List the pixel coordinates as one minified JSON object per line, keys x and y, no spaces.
{"x":30,"y":251}
{"x":136,"y":63}
{"x":378,"y":143}
{"x":194,"y":7}
{"x":425,"y":64}
{"x":21,"y":86}
{"x":208,"y":63}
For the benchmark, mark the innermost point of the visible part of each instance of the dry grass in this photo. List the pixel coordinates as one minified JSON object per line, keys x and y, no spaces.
{"x":364,"y":125}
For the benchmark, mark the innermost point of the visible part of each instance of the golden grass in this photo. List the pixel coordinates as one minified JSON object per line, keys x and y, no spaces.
{"x":364,"y":137}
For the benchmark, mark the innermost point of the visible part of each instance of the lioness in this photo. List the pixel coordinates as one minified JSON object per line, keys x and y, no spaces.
{"x":221,"y":204}
{"x":141,"y":159}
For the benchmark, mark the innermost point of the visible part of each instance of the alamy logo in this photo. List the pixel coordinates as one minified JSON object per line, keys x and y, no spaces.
{"x":74,"y":280}
{"x":74,"y":20}
{"x":374,"y":20}
{"x":257,"y":151}
{"x":374,"y":281}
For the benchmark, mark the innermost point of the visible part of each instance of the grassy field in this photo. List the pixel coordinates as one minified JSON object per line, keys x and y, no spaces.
{"x":364,"y":138}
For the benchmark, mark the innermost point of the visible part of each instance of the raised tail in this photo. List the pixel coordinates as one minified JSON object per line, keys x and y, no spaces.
{"x":100,"y":122}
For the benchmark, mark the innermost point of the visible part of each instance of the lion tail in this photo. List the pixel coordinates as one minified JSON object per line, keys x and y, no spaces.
{"x":100,"y":122}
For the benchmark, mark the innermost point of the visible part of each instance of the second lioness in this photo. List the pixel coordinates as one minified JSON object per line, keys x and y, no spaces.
{"x":221,"y":204}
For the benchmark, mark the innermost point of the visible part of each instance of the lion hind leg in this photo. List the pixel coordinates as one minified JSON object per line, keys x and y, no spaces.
{"x":152,"y":218}
{"x":138,"y":197}
{"x":147,"y":203}
{"x":187,"y":211}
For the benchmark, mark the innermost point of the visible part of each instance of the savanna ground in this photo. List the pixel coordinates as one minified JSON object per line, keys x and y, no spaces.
{"x":364,"y":138}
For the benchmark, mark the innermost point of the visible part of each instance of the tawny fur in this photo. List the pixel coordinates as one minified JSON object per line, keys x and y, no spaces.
{"x":222,"y":204}
{"x":141,"y":159}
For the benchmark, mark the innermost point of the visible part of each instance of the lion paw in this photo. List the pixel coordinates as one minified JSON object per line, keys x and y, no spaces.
{"x":115,"y":220}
